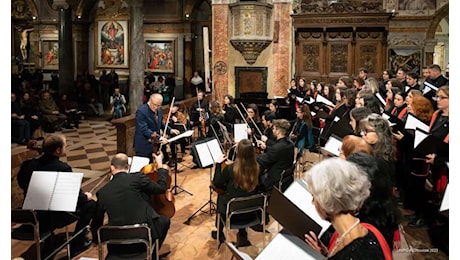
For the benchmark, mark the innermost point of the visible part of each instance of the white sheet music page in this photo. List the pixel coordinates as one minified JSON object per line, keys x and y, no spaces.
{"x":324,"y":100}
{"x":215,"y":150}
{"x":333,"y":145}
{"x":137,"y":162}
{"x":412,"y":123}
{"x":40,"y":190}
{"x":204,"y":154}
{"x":288,"y":247}
{"x":240,"y":132}
{"x":419,"y":137}
{"x":301,"y":197}
{"x":187,"y":133}
{"x":66,"y":191}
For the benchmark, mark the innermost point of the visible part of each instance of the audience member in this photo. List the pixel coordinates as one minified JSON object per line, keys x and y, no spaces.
{"x":52,"y":117}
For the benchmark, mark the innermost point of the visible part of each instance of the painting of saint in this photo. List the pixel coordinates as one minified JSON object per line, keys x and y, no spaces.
{"x":160,"y":56}
{"x":112,"y":43}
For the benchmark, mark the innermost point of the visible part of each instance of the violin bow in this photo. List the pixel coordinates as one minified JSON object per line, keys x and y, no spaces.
{"x":167,"y":121}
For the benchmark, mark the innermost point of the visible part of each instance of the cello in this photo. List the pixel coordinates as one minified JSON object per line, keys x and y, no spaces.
{"x":162,"y":203}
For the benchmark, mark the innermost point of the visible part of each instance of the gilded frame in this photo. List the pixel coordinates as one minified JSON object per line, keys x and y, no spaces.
{"x":160,"y":56}
{"x":112,"y":44}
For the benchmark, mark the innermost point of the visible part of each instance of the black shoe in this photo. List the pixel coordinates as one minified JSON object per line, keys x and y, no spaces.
{"x":78,"y":249}
{"x":214,"y":236}
{"x":417,"y":223}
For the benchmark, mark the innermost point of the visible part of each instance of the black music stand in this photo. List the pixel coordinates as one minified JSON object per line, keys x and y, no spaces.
{"x":212,"y":204}
{"x":175,"y":187}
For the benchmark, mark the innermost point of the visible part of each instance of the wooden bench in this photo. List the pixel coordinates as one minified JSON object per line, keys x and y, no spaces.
{"x":126,"y":126}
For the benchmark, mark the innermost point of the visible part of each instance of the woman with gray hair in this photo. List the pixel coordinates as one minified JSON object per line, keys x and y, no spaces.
{"x":339,"y":189}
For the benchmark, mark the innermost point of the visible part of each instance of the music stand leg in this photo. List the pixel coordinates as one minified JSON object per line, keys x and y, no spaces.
{"x":212,"y":205}
{"x":175,"y":187}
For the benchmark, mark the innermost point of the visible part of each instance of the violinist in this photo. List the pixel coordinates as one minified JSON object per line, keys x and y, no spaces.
{"x":199,"y":113}
{"x":268,"y":138}
{"x":229,"y":111}
{"x":279,"y":157}
{"x":216,"y":115}
{"x":126,"y":200}
{"x":254,"y":123}
{"x":236,"y":180}
{"x":148,"y":125}
{"x":177,"y":121}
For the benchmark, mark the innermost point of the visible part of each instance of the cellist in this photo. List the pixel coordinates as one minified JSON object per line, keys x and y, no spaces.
{"x":126,"y":199}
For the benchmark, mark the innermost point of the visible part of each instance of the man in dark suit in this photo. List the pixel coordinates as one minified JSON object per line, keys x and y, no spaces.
{"x":279,"y":157}
{"x":54,"y":146}
{"x":148,"y":124}
{"x":126,"y":199}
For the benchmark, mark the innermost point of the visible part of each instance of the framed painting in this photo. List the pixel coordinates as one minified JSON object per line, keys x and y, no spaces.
{"x":112,"y":41}
{"x":408,"y":59}
{"x":50,"y":55}
{"x":160,"y":56}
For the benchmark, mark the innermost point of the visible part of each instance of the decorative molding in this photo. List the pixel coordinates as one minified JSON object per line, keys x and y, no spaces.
{"x":335,"y":7}
{"x":220,"y":67}
{"x":406,"y":40}
{"x":112,"y":9}
{"x":60,"y":4}
{"x":250,"y":49}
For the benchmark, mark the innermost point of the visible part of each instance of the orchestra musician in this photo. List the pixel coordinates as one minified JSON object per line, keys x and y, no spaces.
{"x":126,"y":200}
{"x":148,"y":124}
{"x":236,"y":180}
{"x":254,"y":123}
{"x":268,"y":138}
{"x":216,"y":115}
{"x":279,"y":157}
{"x":199,"y":113}
{"x":302,"y":134}
{"x":230,"y":112}
{"x":177,"y":121}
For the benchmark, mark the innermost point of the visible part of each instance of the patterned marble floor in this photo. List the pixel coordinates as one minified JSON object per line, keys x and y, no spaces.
{"x":90,"y":149}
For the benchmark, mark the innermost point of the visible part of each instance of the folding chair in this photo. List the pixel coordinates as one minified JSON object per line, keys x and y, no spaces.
{"x":255,"y":204}
{"x":287,"y":177}
{"x":28,"y":218}
{"x":125,"y":235}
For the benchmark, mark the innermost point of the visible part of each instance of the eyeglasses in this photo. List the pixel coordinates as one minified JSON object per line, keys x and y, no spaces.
{"x":366,"y":131}
{"x":155,"y":105}
{"x":441,"y":98}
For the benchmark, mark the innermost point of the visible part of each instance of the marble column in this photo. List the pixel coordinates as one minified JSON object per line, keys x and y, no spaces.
{"x":136,"y":55}
{"x":281,"y":47}
{"x":66,"y":62}
{"x":220,"y":50}
{"x":188,"y":73}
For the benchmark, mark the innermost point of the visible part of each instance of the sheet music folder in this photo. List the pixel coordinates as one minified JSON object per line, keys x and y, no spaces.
{"x":55,"y":191}
{"x":296,"y":220}
{"x":425,"y":143}
{"x":208,"y":152}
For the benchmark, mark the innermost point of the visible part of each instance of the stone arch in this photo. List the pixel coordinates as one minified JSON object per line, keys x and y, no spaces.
{"x":437,"y":17}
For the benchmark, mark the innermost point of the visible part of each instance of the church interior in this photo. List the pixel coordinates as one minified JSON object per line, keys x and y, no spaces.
{"x":248,"y":49}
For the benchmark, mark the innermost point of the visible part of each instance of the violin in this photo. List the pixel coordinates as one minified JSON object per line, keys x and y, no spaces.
{"x":162,"y":203}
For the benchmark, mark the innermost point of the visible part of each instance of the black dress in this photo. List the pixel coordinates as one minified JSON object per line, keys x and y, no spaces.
{"x":365,"y":248}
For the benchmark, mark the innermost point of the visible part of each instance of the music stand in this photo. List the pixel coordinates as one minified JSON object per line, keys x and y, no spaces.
{"x":181,"y":129}
{"x":212,"y":204}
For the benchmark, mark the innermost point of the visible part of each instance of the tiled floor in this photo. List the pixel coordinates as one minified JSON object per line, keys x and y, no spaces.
{"x":90,"y":149}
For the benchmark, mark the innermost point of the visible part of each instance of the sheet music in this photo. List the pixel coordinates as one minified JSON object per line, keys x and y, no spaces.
{"x":412,"y":123}
{"x":380,"y":98}
{"x":324,"y":100}
{"x":40,"y":190}
{"x":333,"y":145}
{"x":430,"y":86}
{"x":240,"y":132}
{"x":66,"y":191}
{"x":445,"y":200}
{"x":419,"y":137}
{"x":187,"y":133}
{"x":301,"y":197}
{"x":214,"y":149}
{"x":56,"y":191}
{"x":137,"y":162}
{"x":285,"y":246}
{"x":204,"y":154}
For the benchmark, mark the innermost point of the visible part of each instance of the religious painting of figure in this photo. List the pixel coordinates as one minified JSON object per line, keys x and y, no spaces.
{"x":417,"y":5}
{"x":113,"y":42}
{"x":409,"y":60}
{"x":50,"y":56}
{"x":160,"y":56}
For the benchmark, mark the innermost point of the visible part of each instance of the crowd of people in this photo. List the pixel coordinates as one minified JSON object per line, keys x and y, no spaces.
{"x":358,"y":191}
